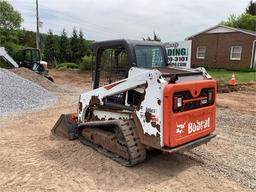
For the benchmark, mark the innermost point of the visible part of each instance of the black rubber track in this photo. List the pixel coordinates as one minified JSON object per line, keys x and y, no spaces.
{"x":136,"y":150}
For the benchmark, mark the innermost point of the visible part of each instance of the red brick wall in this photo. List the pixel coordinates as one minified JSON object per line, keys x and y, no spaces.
{"x":218,"y":48}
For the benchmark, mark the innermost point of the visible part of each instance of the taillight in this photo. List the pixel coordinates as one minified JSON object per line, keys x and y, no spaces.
{"x":203,"y":101}
{"x":177,"y":104}
{"x":210,"y":96}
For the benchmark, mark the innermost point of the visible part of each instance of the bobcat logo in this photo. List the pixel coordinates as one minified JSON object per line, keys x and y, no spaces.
{"x":198,"y":125}
{"x":180,"y":128}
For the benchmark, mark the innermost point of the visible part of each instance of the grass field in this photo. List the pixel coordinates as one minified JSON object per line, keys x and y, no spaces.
{"x":241,"y":77}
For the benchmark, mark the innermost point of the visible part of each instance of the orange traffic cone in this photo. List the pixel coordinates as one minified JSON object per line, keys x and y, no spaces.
{"x":232,"y":81}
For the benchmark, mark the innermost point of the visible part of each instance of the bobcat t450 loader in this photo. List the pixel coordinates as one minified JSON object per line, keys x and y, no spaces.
{"x":139,"y":103}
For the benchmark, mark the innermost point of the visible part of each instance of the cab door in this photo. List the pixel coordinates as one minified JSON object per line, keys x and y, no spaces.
{"x":113,"y":65}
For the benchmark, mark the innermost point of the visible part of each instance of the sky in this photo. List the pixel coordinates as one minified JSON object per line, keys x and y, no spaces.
{"x":171,"y":20}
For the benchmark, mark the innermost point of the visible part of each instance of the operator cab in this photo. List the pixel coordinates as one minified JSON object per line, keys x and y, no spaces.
{"x":30,"y":58}
{"x":115,"y":58}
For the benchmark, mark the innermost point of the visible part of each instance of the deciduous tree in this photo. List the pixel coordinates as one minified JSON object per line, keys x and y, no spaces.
{"x":244,"y":21}
{"x":10,"y":21}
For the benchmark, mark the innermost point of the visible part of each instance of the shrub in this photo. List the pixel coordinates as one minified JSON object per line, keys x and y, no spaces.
{"x":87,"y":62}
{"x":66,"y":66}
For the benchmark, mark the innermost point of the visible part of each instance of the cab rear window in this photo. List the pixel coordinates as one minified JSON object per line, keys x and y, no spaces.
{"x":149,"y":56}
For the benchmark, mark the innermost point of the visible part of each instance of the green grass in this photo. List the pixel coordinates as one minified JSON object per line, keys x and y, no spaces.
{"x":241,"y":77}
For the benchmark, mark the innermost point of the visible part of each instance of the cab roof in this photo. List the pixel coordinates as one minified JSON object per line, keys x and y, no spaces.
{"x":124,"y":42}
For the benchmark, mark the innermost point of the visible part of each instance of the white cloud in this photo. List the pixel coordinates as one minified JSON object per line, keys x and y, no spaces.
{"x":132,"y":19}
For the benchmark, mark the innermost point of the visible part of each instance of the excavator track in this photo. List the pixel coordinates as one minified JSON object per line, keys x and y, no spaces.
{"x":122,"y":144}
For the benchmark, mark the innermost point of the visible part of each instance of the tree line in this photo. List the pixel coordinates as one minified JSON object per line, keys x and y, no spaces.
{"x":59,"y":49}
{"x":54,"y":49}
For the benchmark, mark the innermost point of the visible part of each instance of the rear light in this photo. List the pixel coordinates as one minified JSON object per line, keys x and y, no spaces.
{"x":210,"y":97}
{"x":177,"y":104}
{"x":203,"y":102}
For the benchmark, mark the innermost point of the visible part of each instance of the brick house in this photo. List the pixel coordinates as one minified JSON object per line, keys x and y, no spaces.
{"x":224,"y":47}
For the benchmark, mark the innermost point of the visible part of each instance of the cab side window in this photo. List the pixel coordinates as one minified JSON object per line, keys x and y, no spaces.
{"x":113,"y":65}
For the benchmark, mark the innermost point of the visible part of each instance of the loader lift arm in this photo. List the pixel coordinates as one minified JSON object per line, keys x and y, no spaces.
{"x":139,"y":78}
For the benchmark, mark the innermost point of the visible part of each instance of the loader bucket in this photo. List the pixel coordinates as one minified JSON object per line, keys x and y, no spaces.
{"x":66,"y":126}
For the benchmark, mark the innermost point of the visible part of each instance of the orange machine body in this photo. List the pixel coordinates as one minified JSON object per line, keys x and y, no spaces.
{"x":186,"y":125}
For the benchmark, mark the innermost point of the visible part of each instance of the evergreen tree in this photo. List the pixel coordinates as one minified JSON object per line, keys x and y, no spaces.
{"x":75,"y":47}
{"x":251,"y":9}
{"x":82,"y":44}
{"x":51,"y":49}
{"x":64,"y":48}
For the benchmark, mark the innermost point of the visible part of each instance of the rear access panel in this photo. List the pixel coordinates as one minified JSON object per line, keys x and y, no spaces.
{"x":194,"y":116}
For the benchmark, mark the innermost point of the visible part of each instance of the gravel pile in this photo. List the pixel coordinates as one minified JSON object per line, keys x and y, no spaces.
{"x":19,"y":94}
{"x":37,"y":79}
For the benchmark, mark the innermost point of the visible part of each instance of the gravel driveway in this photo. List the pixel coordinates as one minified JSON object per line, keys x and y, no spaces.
{"x":233,"y":152}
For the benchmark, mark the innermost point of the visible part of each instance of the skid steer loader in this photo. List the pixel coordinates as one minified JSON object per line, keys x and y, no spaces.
{"x":29,"y":58}
{"x":139,"y":103}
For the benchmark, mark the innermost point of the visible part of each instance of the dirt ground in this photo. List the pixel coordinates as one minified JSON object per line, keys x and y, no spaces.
{"x":33,"y":160}
{"x":242,"y":101}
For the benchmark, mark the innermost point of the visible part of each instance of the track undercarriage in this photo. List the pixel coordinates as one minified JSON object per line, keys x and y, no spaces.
{"x":116,"y":140}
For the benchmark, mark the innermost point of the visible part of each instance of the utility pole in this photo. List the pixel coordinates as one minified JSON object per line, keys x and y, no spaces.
{"x":37,"y":26}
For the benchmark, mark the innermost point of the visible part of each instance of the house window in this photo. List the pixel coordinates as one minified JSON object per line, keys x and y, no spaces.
{"x":200,"y":54}
{"x":235,"y":53}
